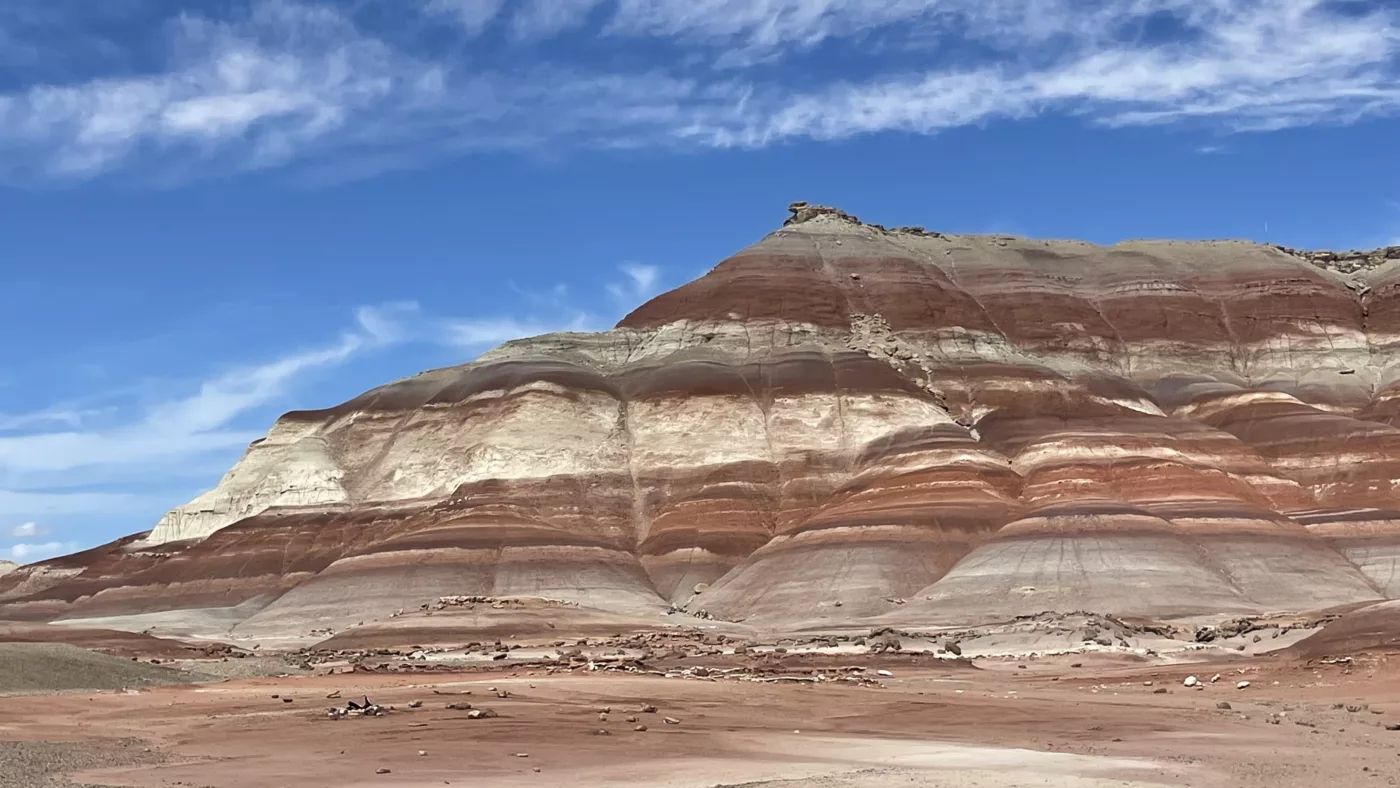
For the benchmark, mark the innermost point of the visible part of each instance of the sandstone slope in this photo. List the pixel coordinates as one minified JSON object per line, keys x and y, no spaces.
{"x":841,"y":424}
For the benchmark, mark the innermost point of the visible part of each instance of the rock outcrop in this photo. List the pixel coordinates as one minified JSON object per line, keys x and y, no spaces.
{"x":842,"y":424}
{"x":7,"y":566}
{"x":1348,"y":262}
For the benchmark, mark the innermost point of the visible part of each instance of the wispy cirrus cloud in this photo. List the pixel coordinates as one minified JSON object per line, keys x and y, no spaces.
{"x":270,"y":84}
{"x":481,"y":333}
{"x":57,"y":466}
{"x":190,"y":425}
{"x":28,"y":551}
{"x":61,"y":464}
{"x":278,"y":82}
{"x":202,"y":420}
{"x":10,"y":422}
{"x":555,"y":310}
{"x":25,"y":553}
{"x":643,"y":282}
{"x":26,"y":531}
{"x":472,"y":15}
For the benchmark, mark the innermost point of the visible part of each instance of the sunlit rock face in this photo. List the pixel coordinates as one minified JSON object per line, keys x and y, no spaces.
{"x":839,"y":425}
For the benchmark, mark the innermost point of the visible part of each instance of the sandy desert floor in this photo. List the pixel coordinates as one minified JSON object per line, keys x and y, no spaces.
{"x":1107,"y":722}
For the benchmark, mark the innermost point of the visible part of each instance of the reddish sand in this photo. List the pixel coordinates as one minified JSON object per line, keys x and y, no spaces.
{"x":1046,"y":724}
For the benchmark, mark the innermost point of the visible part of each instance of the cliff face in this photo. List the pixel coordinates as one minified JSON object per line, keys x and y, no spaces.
{"x":839,"y":424}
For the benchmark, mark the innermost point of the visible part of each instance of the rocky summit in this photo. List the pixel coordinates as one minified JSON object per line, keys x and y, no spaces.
{"x":842,"y":424}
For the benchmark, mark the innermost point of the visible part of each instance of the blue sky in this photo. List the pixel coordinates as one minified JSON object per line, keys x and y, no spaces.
{"x":212,"y":212}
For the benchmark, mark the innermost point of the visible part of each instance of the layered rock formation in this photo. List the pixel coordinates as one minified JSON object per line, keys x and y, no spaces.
{"x":7,"y":566}
{"x":841,"y":424}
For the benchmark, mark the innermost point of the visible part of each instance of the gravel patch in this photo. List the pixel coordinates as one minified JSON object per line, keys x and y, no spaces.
{"x":48,"y":764}
{"x":38,"y":668}
{"x":242,"y":668}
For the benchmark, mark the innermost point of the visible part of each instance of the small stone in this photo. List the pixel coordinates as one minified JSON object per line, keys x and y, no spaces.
{"x":602,"y":717}
{"x":522,"y":755}
{"x":631,"y":718}
{"x":1214,"y":678}
{"x":601,"y":732}
{"x":381,"y":770}
{"x":1191,"y":681}
{"x":671,"y":721}
{"x":415,"y":704}
{"x":1242,"y":685}
{"x":1393,"y":727}
{"x":640,"y":728}
{"x":1160,"y":691}
{"x":421,"y":753}
{"x":647,"y":708}
{"x":1223,"y":705}
{"x":884,"y":673}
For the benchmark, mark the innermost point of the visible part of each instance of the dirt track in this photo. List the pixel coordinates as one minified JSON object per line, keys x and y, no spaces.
{"x":1048,"y":724}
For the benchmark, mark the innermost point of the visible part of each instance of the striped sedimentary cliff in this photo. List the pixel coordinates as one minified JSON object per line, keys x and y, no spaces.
{"x":840,"y":424}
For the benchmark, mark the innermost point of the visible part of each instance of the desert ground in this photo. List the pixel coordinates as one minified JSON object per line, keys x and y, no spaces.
{"x":1010,"y":710}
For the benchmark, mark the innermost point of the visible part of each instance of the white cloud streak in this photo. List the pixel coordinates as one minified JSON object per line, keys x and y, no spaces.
{"x":10,"y":422}
{"x":190,"y":426}
{"x":48,"y":473}
{"x":195,"y":424}
{"x":60,"y":473}
{"x":29,"y":553}
{"x":472,"y":15}
{"x":26,"y":531}
{"x":643,"y":282}
{"x":286,"y":83}
{"x":275,"y":82}
{"x":479,"y":334}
